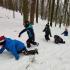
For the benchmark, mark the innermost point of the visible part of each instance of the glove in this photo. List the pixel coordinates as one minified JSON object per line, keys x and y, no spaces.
{"x":19,"y":35}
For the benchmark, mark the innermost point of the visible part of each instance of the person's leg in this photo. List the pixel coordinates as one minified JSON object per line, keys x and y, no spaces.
{"x":34,"y":43}
{"x":31,"y":52}
{"x":56,"y":41}
{"x":22,"y":50}
{"x":28,"y":43}
{"x":47,"y":37}
{"x":62,"y":42}
{"x":31,"y":41}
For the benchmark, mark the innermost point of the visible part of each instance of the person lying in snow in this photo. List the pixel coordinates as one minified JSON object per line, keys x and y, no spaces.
{"x":58,"y":39}
{"x":30,"y":32}
{"x":47,"y":32}
{"x":15,"y":47}
{"x":65,"y":32}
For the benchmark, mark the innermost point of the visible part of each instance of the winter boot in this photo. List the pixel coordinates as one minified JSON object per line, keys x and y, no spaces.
{"x":31,"y":52}
{"x":36,"y":51}
{"x":28,"y":45}
{"x":37,"y":44}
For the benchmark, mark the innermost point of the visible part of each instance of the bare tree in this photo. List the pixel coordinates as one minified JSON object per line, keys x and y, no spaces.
{"x":42,"y":9}
{"x":52,"y":11}
{"x":25,"y":10}
{"x":56,"y":12}
{"x":46,"y":9}
{"x":32,"y":11}
{"x":37,"y":3}
{"x":65,"y":10}
{"x":49,"y":10}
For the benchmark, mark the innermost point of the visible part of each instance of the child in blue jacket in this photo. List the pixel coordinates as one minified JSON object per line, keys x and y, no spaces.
{"x":65,"y":32}
{"x":15,"y":47}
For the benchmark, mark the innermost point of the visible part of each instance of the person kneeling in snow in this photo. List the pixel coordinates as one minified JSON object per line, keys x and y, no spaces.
{"x":58,"y":39}
{"x":15,"y":47}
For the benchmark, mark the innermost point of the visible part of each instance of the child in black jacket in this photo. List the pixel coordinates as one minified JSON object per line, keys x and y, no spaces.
{"x":47,"y":32}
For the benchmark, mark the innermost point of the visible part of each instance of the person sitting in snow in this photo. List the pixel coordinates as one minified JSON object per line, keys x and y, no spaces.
{"x":15,"y":47}
{"x":30,"y":32}
{"x":58,"y":39}
{"x":65,"y":32}
{"x":47,"y":32}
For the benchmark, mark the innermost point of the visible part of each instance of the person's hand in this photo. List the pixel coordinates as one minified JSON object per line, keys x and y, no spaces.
{"x":19,"y":35}
{"x":50,"y":36}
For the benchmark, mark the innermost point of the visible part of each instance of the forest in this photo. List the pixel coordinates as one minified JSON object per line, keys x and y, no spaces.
{"x":57,"y":11}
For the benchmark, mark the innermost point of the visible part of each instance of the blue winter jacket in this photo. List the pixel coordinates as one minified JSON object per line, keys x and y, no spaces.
{"x":13,"y":46}
{"x":65,"y":33}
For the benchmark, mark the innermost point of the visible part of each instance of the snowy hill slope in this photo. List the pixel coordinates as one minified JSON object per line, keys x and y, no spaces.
{"x":51,"y":56}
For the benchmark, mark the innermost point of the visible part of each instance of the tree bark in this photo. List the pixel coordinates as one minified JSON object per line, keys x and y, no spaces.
{"x":32,"y":11}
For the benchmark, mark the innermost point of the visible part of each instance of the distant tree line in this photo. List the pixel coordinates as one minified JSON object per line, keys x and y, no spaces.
{"x":53,"y":10}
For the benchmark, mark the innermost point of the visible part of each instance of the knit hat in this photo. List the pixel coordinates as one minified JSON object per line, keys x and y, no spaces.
{"x":2,"y":39}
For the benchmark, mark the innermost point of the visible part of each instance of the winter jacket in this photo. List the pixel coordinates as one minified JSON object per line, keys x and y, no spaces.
{"x":58,"y":39}
{"x":13,"y":46}
{"x":30,"y":32}
{"x":47,"y":31}
{"x":65,"y":33}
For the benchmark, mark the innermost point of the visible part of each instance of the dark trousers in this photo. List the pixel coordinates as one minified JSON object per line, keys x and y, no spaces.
{"x":30,"y":41}
{"x":47,"y":37}
{"x":30,"y":52}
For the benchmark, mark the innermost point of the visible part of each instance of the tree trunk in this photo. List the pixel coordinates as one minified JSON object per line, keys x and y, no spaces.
{"x":25,"y":10}
{"x":65,"y":11}
{"x":56,"y":12}
{"x":32,"y":11}
{"x":52,"y":11}
{"x":49,"y":10}
{"x":37,"y":2}
{"x":42,"y":9}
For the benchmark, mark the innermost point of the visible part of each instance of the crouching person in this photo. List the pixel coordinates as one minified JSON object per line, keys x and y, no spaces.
{"x":15,"y":47}
{"x":58,"y":39}
{"x":65,"y":32}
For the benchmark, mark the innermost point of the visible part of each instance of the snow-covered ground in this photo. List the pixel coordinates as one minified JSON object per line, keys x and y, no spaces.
{"x":51,"y":56}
